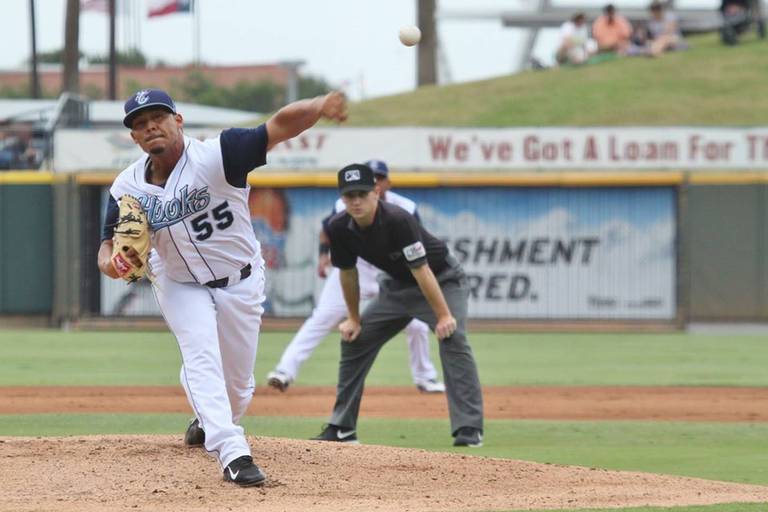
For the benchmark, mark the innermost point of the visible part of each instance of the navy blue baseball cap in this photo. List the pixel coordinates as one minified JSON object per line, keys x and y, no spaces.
{"x":356,"y":177}
{"x":378,"y":167}
{"x":147,"y":98}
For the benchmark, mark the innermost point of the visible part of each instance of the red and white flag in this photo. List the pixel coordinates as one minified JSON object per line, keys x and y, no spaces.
{"x":95,"y":5}
{"x":163,"y":7}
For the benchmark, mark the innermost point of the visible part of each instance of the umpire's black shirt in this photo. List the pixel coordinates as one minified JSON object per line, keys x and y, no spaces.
{"x":395,"y":242}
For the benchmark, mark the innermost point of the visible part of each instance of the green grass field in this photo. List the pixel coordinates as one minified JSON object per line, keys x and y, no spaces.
{"x":47,"y":357}
{"x":707,"y":85}
{"x":730,"y":451}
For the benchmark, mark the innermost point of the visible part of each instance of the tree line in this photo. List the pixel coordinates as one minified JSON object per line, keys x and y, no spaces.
{"x":196,"y":87}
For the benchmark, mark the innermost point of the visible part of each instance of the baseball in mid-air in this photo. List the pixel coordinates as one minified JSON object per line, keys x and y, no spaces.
{"x":410,"y":35}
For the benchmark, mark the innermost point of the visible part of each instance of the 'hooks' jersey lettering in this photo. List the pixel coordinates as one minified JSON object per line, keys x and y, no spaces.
{"x":163,"y":214}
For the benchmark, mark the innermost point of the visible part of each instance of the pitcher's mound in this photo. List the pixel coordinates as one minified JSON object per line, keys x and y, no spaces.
{"x":97,"y":473}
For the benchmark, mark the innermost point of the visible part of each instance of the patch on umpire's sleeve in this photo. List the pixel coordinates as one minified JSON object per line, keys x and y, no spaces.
{"x":414,"y":251}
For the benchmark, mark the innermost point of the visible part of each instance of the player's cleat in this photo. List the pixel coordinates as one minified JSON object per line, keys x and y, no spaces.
{"x":278,"y":380}
{"x":469,"y":436}
{"x":430,"y":386}
{"x":194,"y":436}
{"x":244,"y":472}
{"x":337,"y":434}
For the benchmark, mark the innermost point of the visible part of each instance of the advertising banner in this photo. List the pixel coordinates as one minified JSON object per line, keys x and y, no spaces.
{"x":529,"y":253}
{"x":561,"y":253}
{"x":466,"y":149}
{"x":78,"y":150}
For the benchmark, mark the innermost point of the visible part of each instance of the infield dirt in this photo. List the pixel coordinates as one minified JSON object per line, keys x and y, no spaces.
{"x":98,"y":473}
{"x":562,"y":403}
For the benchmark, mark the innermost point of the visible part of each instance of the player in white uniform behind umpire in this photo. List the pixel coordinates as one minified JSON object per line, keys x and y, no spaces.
{"x":209,"y":272}
{"x":331,"y":308}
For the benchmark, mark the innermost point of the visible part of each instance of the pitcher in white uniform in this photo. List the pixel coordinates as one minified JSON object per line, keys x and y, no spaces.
{"x":331,"y":308}
{"x":209,"y":273}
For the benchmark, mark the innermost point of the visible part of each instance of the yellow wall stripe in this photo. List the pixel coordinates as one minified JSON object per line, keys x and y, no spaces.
{"x":95,"y":178}
{"x":725,"y":178}
{"x":287,"y":179}
{"x":455,"y":179}
{"x":30,"y":178}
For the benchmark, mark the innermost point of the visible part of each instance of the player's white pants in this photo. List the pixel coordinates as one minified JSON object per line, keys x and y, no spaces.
{"x":218,"y":331}
{"x":331,"y":310}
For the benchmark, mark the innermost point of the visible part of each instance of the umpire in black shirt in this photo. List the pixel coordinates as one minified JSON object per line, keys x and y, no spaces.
{"x":421,"y":280}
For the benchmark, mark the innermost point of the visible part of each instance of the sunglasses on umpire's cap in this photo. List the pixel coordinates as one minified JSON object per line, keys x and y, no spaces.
{"x":379,"y":167}
{"x":356,"y":177}
{"x":147,"y":98}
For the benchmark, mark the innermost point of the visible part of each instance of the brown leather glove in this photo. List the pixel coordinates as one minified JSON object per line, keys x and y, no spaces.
{"x":131,"y":232}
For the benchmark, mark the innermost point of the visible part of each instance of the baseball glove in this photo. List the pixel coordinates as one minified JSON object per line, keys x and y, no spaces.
{"x":131,"y":232}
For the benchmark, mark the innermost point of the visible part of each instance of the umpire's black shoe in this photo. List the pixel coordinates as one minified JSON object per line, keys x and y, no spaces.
{"x":194,"y":436}
{"x":337,"y":434}
{"x":469,"y":436}
{"x":244,"y":472}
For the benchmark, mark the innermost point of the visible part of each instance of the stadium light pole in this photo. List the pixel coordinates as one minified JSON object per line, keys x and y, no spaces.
{"x":71,"y":82}
{"x":426,"y":64}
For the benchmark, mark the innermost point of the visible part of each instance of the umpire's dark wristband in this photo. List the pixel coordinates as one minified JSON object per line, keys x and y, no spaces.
{"x":324,"y":249}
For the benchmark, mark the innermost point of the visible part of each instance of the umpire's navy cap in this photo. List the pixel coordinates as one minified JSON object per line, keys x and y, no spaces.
{"x":147,"y":98}
{"x":356,"y":177}
{"x":379,"y":167}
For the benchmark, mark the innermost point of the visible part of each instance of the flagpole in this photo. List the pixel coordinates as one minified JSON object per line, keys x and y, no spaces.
{"x":35,"y":77}
{"x":196,"y":30}
{"x":112,"y":53}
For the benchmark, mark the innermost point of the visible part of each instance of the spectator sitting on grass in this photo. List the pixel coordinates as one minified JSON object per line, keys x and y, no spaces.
{"x":575,"y":46}
{"x":612,"y":31}
{"x":664,"y":31}
{"x":659,"y":34}
{"x":638,"y":43}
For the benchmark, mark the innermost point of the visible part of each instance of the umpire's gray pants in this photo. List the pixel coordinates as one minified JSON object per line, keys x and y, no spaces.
{"x":387,"y":315}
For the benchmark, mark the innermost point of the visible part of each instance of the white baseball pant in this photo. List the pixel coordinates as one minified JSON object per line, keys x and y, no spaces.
{"x":217,"y":330}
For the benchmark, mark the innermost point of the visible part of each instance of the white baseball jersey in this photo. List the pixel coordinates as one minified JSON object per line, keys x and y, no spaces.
{"x":201,"y":224}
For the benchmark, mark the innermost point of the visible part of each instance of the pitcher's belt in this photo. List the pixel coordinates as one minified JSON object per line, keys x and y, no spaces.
{"x":235,"y":278}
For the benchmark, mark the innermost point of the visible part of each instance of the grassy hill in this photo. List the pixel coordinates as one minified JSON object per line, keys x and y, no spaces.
{"x":707,"y":85}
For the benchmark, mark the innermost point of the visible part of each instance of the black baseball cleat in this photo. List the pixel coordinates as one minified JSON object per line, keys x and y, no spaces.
{"x":337,"y":434}
{"x":243,"y":472}
{"x":468,"y":436}
{"x":194,"y":436}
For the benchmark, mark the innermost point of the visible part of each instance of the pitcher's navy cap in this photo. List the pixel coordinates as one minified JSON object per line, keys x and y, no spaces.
{"x":147,"y":98}
{"x":379,"y":167}
{"x":356,"y":177}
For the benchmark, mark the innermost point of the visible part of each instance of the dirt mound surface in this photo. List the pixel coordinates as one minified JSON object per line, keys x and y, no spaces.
{"x":143,"y":473}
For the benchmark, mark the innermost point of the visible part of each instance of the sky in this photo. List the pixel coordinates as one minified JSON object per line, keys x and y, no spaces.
{"x":352,"y":44}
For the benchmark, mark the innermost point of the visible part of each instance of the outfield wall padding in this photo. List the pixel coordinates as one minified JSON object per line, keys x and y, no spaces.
{"x":728,"y":252}
{"x":26,"y":249}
